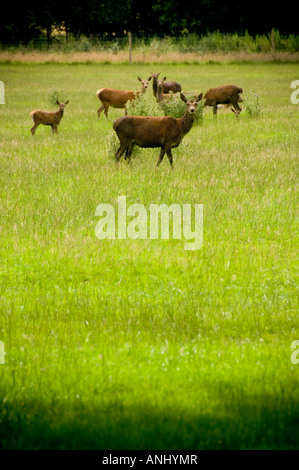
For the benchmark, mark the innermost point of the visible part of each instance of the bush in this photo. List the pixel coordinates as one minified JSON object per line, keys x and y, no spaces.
{"x":112,"y":144}
{"x":54,"y":95}
{"x":252,"y":104}
{"x":145,"y":105}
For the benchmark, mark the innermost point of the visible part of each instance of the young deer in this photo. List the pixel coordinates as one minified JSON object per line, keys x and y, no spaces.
{"x":119,"y":98}
{"x":48,"y":118}
{"x":147,"y":131}
{"x":175,"y":87}
{"x":224,"y":95}
{"x":160,"y":96}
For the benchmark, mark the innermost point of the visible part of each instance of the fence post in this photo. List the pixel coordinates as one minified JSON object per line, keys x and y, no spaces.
{"x":130,"y":47}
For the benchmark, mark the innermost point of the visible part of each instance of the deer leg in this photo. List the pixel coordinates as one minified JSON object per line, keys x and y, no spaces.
{"x":215,"y":109}
{"x":169,"y":156}
{"x":122,"y":148}
{"x":33,"y":129}
{"x":161,"y":155}
{"x":129,"y":153}
{"x":106,"y":106}
{"x":100,"y":110}
{"x":236,"y":107}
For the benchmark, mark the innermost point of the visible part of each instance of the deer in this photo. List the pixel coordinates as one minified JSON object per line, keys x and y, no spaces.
{"x":164,"y":132}
{"x":175,"y":87}
{"x":48,"y":118}
{"x":224,"y":95}
{"x":119,"y":98}
{"x":160,"y":96}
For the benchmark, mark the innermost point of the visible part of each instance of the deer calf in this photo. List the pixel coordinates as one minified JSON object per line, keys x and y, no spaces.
{"x":175,"y":87}
{"x":160,"y":96}
{"x":165,"y":132}
{"x":48,"y":118}
{"x":224,"y":95}
{"x":119,"y":98}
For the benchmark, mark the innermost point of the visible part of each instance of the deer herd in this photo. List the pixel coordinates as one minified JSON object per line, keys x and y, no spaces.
{"x":164,"y":132}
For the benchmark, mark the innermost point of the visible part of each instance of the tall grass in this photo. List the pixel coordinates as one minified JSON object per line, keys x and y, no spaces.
{"x":211,"y":42}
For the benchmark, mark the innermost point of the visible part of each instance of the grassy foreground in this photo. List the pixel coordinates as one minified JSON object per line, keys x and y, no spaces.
{"x":140,"y":344}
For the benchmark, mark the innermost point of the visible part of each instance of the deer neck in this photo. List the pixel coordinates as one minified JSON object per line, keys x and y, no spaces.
{"x":187,"y":122}
{"x":59,"y":113}
{"x":159,"y":94}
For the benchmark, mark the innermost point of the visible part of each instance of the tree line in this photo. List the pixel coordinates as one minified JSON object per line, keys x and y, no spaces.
{"x":33,"y":18}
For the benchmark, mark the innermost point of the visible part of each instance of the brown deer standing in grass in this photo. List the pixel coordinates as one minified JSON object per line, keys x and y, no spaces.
{"x":153,"y":132}
{"x":175,"y":87}
{"x":224,"y":95}
{"x":160,"y":96}
{"x":48,"y":118}
{"x":119,"y":98}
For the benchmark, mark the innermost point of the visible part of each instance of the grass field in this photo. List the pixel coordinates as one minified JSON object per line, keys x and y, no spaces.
{"x":140,"y":344}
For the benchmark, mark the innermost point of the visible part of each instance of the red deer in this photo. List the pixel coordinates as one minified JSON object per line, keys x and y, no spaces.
{"x":160,"y":96}
{"x":153,"y":132}
{"x":175,"y":87}
{"x":119,"y":98}
{"x":48,"y":118}
{"x":224,"y":95}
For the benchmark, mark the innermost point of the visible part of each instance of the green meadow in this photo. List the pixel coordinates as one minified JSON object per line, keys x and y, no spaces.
{"x":141,"y":344}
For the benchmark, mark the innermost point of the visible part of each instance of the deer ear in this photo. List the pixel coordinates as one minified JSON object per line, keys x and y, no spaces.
{"x":149,"y":78}
{"x":67,"y":102}
{"x":183,"y":97}
{"x":57,"y":102}
{"x":164,"y":79}
{"x":139,"y":79}
{"x":199,"y":97}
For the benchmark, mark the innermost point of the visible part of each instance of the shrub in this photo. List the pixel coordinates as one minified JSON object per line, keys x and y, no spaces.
{"x":252,"y":104}
{"x":112,"y":144}
{"x":145,"y":105}
{"x":55,"y":95}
